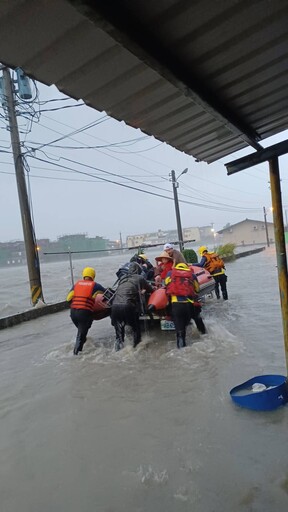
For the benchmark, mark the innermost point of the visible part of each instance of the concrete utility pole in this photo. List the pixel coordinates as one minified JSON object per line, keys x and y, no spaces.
{"x":175,"y":185}
{"x":266,"y":227}
{"x":28,"y":231}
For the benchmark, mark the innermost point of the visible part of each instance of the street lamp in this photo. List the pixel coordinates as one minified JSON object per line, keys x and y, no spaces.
{"x":175,"y":185}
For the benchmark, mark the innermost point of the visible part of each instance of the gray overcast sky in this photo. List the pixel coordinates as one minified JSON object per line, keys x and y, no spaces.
{"x":66,"y":202}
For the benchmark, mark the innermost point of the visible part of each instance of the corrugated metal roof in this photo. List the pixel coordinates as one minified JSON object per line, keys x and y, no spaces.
{"x":208,"y":77}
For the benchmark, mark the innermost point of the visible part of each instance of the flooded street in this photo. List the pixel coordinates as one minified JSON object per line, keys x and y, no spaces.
{"x":150,"y":429}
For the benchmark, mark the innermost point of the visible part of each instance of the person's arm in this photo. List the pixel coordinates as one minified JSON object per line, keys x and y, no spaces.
{"x":70,"y":295}
{"x":195,"y":283}
{"x":144,"y":285}
{"x":168,"y":278}
{"x":98,"y":288}
{"x":201,"y":263}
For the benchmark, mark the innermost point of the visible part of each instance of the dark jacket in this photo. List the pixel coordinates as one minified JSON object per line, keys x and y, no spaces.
{"x":130,"y":286}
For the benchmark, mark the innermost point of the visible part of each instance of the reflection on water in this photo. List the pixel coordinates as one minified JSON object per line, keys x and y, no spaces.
{"x":147,"y":429}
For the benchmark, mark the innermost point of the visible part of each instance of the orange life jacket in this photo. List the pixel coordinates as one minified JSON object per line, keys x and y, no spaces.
{"x":83,"y":291}
{"x":213,"y":262}
{"x":181,"y":284}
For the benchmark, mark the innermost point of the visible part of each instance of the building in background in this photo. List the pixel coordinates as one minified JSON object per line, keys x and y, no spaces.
{"x":13,"y":253}
{"x":160,"y":236}
{"x":246,"y":232}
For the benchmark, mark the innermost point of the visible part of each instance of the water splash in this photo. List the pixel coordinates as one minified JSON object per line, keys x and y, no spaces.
{"x":148,"y":476}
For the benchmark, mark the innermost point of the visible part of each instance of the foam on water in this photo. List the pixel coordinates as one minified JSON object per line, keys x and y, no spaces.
{"x":149,"y":476}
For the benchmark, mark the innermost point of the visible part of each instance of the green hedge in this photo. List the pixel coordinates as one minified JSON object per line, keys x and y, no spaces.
{"x":190,"y":256}
{"x":226,"y":251}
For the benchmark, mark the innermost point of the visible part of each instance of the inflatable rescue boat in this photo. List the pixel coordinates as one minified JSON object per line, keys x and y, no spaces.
{"x":158,"y":300}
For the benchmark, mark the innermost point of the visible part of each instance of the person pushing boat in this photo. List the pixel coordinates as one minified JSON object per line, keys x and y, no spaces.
{"x":126,"y":305}
{"x":215,"y":265}
{"x":182,"y":286}
{"x":81,"y":299}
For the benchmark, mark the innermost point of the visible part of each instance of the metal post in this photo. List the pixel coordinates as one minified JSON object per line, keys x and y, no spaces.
{"x":266,"y":227}
{"x":28,"y":231}
{"x":71,"y":267}
{"x":280,"y":246}
{"x":177,"y":211}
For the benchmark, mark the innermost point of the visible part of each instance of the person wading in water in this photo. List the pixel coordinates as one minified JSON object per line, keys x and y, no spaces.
{"x":81,"y":299}
{"x":215,"y":265}
{"x":126,"y":305}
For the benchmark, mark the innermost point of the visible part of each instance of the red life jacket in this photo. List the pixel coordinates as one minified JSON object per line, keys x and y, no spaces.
{"x":181,"y":283}
{"x":213,"y":262}
{"x":166,"y":267}
{"x":83,"y":291}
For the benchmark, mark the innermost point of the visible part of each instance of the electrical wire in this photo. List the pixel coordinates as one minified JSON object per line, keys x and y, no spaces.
{"x":128,"y":142}
{"x":74,"y":132}
{"x":236,"y":209}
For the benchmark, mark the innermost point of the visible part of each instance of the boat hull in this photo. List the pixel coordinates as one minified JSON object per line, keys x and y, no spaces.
{"x":158,"y":300}
{"x":101,"y":308}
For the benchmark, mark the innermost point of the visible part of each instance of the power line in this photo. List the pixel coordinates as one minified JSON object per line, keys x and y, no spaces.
{"x":147,"y":158}
{"x":138,"y":189}
{"x":111,"y":146}
{"x":78,"y":130}
{"x":117,"y":144}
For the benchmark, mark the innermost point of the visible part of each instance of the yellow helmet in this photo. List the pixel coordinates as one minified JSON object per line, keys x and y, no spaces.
{"x":202,"y":249}
{"x":182,"y":266}
{"x":142,"y":256}
{"x":89,"y":272}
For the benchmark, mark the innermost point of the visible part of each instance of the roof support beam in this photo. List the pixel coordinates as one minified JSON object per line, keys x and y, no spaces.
{"x":280,"y":246}
{"x":257,"y":158}
{"x":116,"y":20}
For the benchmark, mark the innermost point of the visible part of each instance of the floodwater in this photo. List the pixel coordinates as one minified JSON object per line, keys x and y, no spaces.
{"x":145,"y":430}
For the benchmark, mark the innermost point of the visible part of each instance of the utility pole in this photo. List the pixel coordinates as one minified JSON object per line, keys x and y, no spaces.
{"x":266,"y":227}
{"x":175,"y":185}
{"x":28,"y":230}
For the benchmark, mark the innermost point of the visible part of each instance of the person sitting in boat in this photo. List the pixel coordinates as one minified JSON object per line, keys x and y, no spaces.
{"x":81,"y":299}
{"x":145,"y":264}
{"x":165,"y":264}
{"x":182,"y":286}
{"x":127,"y":304}
{"x":177,"y":256}
{"x":215,"y":265}
{"x":123,"y":270}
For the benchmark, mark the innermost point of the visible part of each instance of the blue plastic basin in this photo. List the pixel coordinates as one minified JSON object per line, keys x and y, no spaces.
{"x":266,"y":400}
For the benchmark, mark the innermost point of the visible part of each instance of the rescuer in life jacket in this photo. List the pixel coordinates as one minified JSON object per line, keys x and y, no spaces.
{"x":182,"y":286}
{"x":215,"y":265}
{"x":81,"y":298}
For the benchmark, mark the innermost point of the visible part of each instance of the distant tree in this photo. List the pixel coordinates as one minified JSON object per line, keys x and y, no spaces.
{"x":227,"y":225}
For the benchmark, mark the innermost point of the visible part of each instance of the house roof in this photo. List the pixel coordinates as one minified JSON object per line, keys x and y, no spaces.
{"x":207,"y":77}
{"x":245,"y":221}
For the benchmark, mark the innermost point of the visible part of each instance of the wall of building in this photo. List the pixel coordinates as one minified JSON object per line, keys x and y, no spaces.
{"x":191,"y":234}
{"x":163,"y":236}
{"x":247,"y":233}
